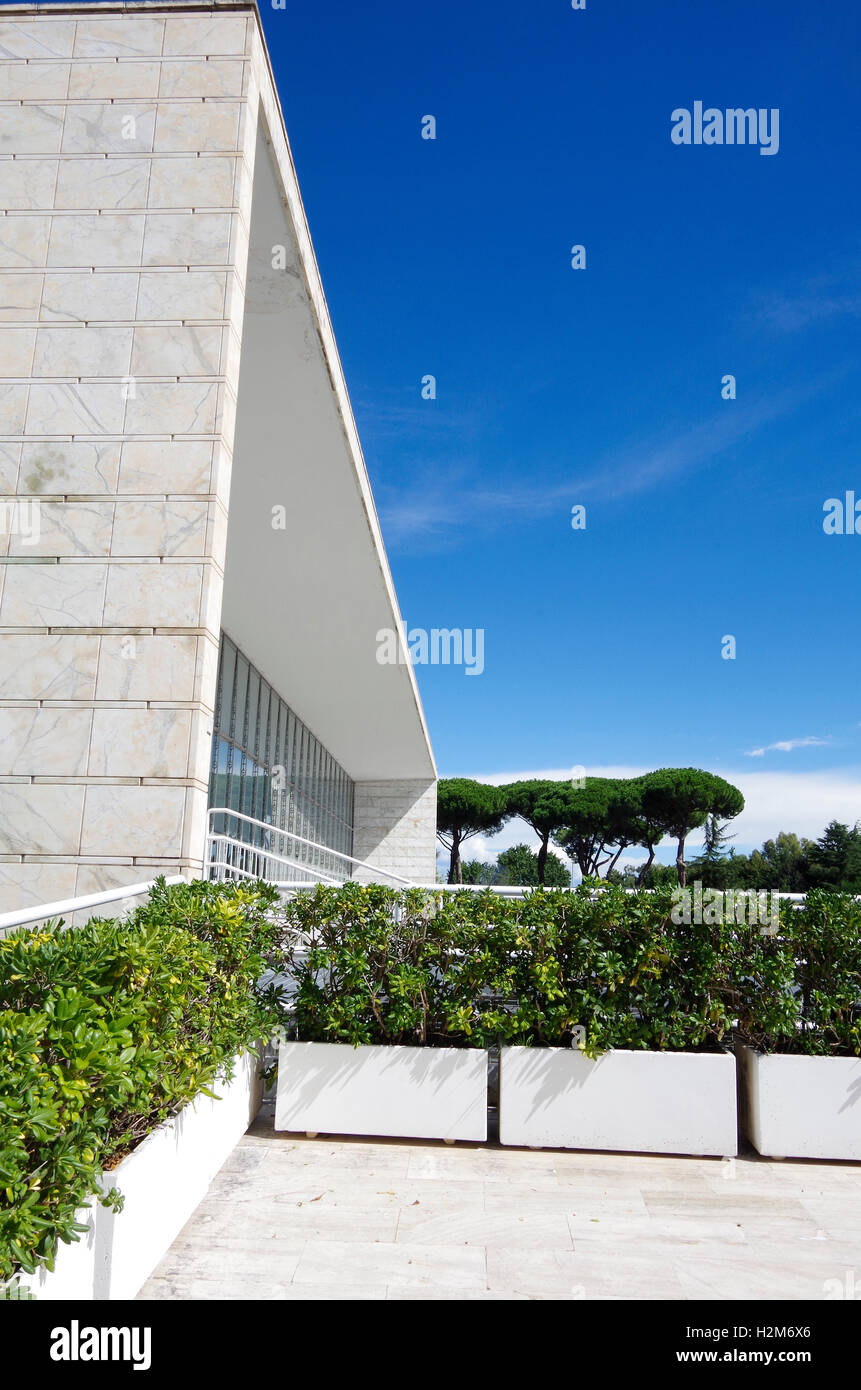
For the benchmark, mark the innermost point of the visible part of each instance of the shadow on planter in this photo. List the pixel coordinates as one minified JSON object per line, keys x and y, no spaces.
{"x":639,"y":1102}
{"x":405,"y":1092}
{"x":794,"y":1106}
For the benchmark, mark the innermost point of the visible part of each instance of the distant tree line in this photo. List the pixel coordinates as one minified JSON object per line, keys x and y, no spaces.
{"x":518,"y":865}
{"x":593,"y":820}
{"x":789,"y":863}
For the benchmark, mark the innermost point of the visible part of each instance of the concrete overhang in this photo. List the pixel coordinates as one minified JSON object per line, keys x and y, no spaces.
{"x":307,"y":585}
{"x":306,"y":601}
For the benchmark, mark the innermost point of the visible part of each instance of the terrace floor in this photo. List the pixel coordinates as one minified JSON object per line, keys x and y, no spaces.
{"x":295,"y":1218}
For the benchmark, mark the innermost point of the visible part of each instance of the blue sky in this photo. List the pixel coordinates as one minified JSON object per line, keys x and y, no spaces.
{"x":603,"y":386}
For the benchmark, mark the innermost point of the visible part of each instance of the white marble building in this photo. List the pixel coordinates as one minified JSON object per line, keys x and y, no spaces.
{"x":178,"y":460}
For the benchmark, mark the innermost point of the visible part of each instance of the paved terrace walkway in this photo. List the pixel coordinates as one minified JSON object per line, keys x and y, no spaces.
{"x":296,"y":1218}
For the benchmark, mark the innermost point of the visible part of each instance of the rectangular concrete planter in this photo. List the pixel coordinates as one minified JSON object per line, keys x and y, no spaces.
{"x":406,"y":1092}
{"x":162,"y":1180}
{"x":801,"y":1107}
{"x":642,"y":1102}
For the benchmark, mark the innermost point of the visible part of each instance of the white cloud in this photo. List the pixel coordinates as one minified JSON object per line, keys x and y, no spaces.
{"x":559,"y":774}
{"x":787,"y":745}
{"x":803,"y":802}
{"x":477,"y":847}
{"x":486,"y":848}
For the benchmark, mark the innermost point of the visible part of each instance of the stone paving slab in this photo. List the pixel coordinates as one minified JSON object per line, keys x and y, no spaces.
{"x":289,"y":1218}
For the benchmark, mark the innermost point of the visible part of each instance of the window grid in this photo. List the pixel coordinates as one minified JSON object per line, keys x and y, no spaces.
{"x":255,"y":732}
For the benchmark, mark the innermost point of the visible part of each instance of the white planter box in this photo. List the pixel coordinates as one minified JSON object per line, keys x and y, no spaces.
{"x":801,"y":1107}
{"x":163,"y":1180}
{"x":406,"y":1092}
{"x":643,"y":1102}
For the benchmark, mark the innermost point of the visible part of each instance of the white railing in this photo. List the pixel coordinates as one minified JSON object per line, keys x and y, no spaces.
{"x":260,"y":850}
{"x":230,"y":858}
{"x":23,"y":917}
{"x":502,"y":890}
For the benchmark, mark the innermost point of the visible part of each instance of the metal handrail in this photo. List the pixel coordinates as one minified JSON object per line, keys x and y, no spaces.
{"x":503,"y":890}
{"x":213,"y":836}
{"x":263,"y":853}
{"x":320,"y":876}
{"x":286,"y":885}
{"x":65,"y":906}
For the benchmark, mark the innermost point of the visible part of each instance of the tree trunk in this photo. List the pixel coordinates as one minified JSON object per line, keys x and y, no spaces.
{"x":615,"y":860}
{"x":542,"y":858}
{"x":681,"y":866}
{"x":583,"y":860}
{"x":455,"y":870}
{"x":644,"y":872}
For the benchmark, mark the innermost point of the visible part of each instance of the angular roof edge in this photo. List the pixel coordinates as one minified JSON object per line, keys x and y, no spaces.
{"x":311,"y":270}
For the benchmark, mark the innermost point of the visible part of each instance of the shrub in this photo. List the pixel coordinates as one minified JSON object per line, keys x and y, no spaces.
{"x":107,"y":1030}
{"x":609,"y":969}
{"x":380,"y":965}
{"x":472,"y":969}
{"x":799,"y":991}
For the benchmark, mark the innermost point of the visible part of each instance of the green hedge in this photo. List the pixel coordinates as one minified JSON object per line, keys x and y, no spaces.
{"x":605,"y":969}
{"x":471,"y":969}
{"x":799,"y":991}
{"x":381,"y":965}
{"x":107,"y":1030}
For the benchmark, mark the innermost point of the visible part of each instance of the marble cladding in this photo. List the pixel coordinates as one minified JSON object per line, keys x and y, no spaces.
{"x":127,"y":149}
{"x":395,"y":827}
{"x":126,"y":166}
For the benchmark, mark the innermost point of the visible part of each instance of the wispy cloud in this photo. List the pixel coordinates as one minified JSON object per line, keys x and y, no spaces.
{"x":788,"y":745}
{"x":443,"y":506}
{"x":834,"y":294}
{"x":410,"y":420}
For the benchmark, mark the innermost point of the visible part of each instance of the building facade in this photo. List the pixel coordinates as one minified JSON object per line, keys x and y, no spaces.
{"x":193,"y":575}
